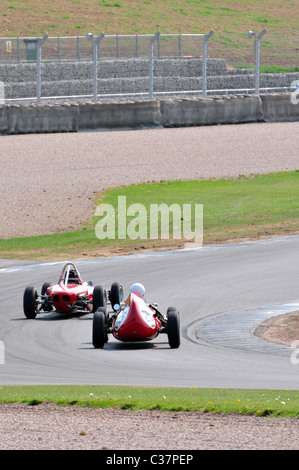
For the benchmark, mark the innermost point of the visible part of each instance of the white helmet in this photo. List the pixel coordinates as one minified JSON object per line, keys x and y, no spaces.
{"x":138,"y":288}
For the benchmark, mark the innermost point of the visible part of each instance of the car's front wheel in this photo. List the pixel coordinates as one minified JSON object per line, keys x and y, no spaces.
{"x":99,"y":334}
{"x":99,"y":298}
{"x":173,"y":327}
{"x":30,"y":302}
{"x":116,"y":295}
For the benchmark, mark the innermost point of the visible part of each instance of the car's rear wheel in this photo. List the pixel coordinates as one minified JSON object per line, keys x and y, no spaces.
{"x":99,"y":298}
{"x":116,"y":295}
{"x":45,"y":287}
{"x":99,"y":334}
{"x":173,"y":327}
{"x":30,"y":302}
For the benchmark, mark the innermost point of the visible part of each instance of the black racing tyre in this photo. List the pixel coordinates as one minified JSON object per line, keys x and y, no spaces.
{"x":99,"y":334}
{"x":99,"y":298}
{"x":116,"y":295}
{"x":30,"y":302}
{"x":106,"y":315}
{"x":173,"y":327}
{"x":45,"y":287}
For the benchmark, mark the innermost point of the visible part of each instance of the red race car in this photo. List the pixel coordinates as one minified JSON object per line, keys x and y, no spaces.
{"x":71,"y":295}
{"x":134,"y":320}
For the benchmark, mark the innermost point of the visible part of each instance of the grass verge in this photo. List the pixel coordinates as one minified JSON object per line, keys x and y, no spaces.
{"x":230,"y":21}
{"x":250,"y":206}
{"x":272,"y":403}
{"x":77,"y":17}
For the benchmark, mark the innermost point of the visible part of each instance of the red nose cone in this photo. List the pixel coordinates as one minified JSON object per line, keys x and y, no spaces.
{"x":63,"y":301}
{"x":136,"y":322}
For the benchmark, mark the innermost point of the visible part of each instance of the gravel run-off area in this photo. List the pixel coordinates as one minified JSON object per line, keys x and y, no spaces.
{"x":50,"y":427}
{"x":48,"y":181}
{"x":48,"y":184}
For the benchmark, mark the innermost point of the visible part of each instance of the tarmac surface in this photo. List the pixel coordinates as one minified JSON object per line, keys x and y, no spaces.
{"x":210,"y":286}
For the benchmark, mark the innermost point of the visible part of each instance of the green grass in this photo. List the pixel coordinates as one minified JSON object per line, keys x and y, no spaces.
{"x":127,"y":16}
{"x":248,"y":206}
{"x":274,"y":68}
{"x":230,"y":21}
{"x":271,"y":403}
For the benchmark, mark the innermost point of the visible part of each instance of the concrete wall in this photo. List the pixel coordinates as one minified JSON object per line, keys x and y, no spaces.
{"x":41,"y":119}
{"x":211,"y":110}
{"x":127,"y":115}
{"x":69,"y":117}
{"x":279,"y":108}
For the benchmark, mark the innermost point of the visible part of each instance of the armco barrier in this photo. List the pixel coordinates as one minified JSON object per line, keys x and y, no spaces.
{"x":71,"y":117}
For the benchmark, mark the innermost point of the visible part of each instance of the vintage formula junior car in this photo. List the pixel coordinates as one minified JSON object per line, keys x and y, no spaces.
{"x":71,"y":295}
{"x":135,"y":320}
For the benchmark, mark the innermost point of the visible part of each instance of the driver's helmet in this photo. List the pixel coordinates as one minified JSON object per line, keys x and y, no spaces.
{"x":138,"y":289}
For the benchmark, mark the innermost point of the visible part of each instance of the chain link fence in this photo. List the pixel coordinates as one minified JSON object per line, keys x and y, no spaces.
{"x":144,"y":66}
{"x":77,"y":48}
{"x":277,"y":48}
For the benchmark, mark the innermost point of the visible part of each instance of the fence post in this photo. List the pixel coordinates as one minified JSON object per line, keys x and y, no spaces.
{"x":59,"y":49}
{"x":180,"y":46}
{"x":117,"y":46}
{"x":18,"y":49}
{"x":78,"y":48}
{"x":137,"y":45}
{"x":95,"y":47}
{"x":40,"y":42}
{"x":204,"y":61}
{"x":257,"y":39}
{"x":151,"y":64}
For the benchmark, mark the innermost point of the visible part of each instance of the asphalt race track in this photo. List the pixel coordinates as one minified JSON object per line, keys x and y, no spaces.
{"x":221,"y":292}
